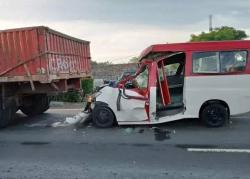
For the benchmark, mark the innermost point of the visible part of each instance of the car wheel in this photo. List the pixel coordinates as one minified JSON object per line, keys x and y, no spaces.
{"x":214,"y":115}
{"x":103,"y":117}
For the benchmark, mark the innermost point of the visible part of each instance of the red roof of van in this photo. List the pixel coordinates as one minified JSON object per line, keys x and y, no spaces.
{"x":196,"y":46}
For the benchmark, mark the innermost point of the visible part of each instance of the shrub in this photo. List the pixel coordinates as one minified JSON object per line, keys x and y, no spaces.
{"x":67,"y":97}
{"x":86,"y":86}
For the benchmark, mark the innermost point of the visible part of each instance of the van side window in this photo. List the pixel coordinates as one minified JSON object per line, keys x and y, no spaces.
{"x":233,"y":61}
{"x":206,"y":62}
{"x":171,"y":69}
{"x":219,"y":62}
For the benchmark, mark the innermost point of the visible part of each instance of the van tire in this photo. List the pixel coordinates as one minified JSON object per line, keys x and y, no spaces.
{"x":35,"y":104}
{"x":103,"y":117}
{"x":214,"y":115}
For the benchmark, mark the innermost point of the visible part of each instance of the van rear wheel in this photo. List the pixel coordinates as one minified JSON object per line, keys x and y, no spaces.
{"x":214,"y":115}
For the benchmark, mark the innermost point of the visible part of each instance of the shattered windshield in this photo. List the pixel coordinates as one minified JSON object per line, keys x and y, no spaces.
{"x":142,"y":79}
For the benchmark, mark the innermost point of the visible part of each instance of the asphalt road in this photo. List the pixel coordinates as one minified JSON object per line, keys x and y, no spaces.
{"x":30,"y":148}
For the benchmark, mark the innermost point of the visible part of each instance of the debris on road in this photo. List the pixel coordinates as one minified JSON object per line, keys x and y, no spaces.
{"x":75,"y":120}
{"x":161,"y":134}
{"x":139,"y":130}
{"x":57,"y":124}
{"x":128,"y":130}
{"x":72,"y":120}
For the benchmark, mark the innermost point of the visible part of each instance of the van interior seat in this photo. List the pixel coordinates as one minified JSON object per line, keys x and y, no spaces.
{"x":175,"y":84}
{"x":176,"y":80}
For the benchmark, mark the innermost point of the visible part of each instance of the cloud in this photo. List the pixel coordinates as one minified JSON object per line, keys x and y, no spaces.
{"x":165,"y":13}
{"x":118,"y":29}
{"x":110,"y":41}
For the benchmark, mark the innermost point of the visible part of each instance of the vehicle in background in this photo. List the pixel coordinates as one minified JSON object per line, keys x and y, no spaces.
{"x":206,"y":80}
{"x":123,"y":76}
{"x":35,"y":62}
{"x":112,"y":83}
{"x":126,"y":74}
{"x":98,"y":83}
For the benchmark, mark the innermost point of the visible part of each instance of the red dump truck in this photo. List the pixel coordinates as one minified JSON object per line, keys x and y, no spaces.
{"x":35,"y":62}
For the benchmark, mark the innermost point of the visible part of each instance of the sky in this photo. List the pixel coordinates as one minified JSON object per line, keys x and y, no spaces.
{"x":120,"y":29}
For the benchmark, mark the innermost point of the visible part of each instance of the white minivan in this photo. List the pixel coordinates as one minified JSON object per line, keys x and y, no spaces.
{"x":205,"y":80}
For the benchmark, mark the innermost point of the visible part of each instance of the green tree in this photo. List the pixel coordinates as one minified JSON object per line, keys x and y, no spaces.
{"x":220,"y":33}
{"x":87,"y":85}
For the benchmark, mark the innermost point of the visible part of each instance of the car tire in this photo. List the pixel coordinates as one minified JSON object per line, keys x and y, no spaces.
{"x":103,"y":117}
{"x":214,"y":115}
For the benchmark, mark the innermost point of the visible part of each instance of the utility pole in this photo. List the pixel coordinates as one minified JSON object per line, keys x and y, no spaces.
{"x":210,"y":23}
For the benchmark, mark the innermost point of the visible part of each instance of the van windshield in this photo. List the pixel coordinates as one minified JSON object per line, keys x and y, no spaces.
{"x":141,"y":81}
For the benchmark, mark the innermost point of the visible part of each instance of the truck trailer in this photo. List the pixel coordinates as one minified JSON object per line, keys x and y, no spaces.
{"x":36,"y":62}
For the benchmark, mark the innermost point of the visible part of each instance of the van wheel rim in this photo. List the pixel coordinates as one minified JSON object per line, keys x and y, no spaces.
{"x":215,"y":115}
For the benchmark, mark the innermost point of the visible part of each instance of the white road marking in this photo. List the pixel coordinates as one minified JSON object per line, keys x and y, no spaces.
{"x":244,"y":117}
{"x":218,"y":150}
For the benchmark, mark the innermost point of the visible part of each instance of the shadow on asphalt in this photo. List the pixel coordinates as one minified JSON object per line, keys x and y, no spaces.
{"x":49,"y":118}
{"x":21,"y":119}
{"x":179,"y":123}
{"x":18,"y":119}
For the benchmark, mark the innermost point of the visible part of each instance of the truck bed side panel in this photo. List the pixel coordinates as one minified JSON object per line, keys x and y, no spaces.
{"x":16,"y":47}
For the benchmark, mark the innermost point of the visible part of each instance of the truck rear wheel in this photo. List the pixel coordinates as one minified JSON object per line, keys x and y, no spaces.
{"x":35,"y":104}
{"x":5,"y":116}
{"x":7,"y":111}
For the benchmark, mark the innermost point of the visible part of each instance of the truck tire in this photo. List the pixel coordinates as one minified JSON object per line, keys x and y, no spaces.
{"x":35,"y":104}
{"x":214,"y":115}
{"x":7,"y":112}
{"x":103,"y":117}
{"x":5,"y":116}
